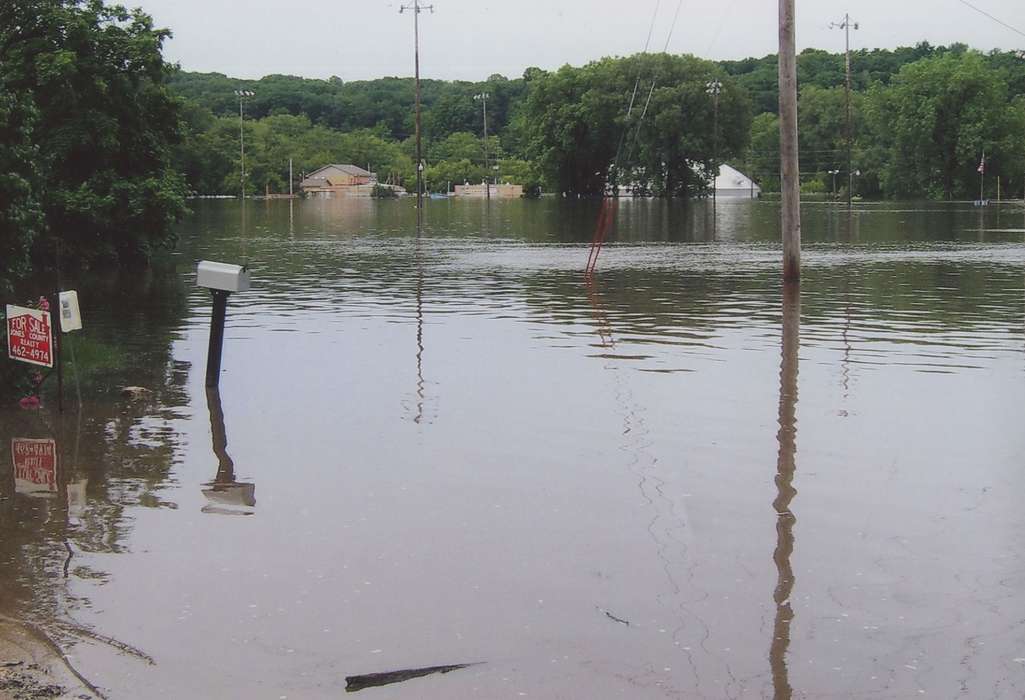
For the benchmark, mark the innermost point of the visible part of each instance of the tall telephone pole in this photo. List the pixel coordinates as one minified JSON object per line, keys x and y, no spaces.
{"x":789,"y":164}
{"x":483,"y":97}
{"x":417,"y":8}
{"x":846,"y":25}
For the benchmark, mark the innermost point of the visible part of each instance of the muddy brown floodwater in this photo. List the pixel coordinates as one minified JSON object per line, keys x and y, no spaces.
{"x":448,"y":467}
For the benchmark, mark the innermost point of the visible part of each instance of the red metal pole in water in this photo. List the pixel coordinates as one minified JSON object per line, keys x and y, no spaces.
{"x":605,"y":220}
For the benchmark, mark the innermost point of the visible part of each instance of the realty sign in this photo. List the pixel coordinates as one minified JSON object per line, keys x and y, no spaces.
{"x":35,"y":465}
{"x":29,"y":336}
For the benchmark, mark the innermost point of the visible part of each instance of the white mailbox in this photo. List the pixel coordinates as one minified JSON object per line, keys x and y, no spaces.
{"x":223,"y":276}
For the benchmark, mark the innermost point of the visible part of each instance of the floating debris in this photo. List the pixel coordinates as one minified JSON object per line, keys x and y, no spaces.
{"x":372,"y":680}
{"x":613,"y":617}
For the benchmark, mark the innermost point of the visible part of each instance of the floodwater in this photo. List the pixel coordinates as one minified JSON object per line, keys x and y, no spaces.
{"x":676,"y":481}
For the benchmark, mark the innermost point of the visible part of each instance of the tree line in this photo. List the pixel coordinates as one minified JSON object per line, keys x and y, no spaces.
{"x":646,"y":121}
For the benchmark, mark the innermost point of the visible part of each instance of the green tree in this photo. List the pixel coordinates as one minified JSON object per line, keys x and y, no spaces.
{"x":763,"y":154}
{"x":932,"y":123}
{"x":823,"y":131}
{"x":520,"y":172}
{"x":439,"y":176}
{"x":106,"y":124}
{"x":581,"y":124}
{"x":21,"y":218}
{"x":458,"y":146}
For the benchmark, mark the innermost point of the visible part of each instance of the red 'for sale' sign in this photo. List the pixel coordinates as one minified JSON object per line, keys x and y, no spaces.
{"x":35,"y":465}
{"x":29,"y":336}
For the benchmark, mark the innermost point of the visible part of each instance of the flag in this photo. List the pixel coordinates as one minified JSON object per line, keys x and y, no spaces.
{"x":982,"y":166}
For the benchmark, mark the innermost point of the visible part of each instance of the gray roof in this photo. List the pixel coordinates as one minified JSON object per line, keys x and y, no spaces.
{"x":346,"y":168}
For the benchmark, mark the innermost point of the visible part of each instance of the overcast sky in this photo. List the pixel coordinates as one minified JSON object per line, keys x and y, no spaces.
{"x":472,"y":39}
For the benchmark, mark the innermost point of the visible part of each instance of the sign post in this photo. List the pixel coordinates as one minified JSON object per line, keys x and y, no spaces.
{"x":30,"y":336}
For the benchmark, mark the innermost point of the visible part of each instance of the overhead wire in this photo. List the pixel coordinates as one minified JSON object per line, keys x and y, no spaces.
{"x":637,"y":83}
{"x":992,"y":17}
{"x":606,"y":215}
{"x":718,"y":30}
{"x":665,"y":49}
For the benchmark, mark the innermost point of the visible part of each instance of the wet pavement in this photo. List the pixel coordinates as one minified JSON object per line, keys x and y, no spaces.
{"x":674,"y":480}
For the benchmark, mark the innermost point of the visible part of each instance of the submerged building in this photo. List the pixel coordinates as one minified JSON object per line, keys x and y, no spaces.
{"x":504,"y":191}
{"x":733,"y":183}
{"x":343,"y":179}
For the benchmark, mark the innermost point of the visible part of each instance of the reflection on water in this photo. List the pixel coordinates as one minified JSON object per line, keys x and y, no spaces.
{"x":420,"y":391}
{"x":226,"y":496}
{"x":600,"y":459}
{"x":785,"y":491}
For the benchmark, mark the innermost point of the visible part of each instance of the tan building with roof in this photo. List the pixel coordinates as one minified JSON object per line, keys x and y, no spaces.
{"x":345,"y":179}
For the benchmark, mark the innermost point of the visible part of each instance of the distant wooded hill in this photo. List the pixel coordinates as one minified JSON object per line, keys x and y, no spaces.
{"x":387,"y":103}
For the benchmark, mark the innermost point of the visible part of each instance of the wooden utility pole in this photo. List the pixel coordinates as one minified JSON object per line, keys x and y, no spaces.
{"x":714,"y":88}
{"x":846,"y":26}
{"x":789,"y":165}
{"x":417,"y":8}
{"x":483,"y":97}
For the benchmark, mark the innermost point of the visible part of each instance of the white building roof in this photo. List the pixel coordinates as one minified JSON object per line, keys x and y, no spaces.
{"x":731,"y":179}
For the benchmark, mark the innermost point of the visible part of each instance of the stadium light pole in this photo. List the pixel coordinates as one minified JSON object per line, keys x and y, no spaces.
{"x":242,"y":95}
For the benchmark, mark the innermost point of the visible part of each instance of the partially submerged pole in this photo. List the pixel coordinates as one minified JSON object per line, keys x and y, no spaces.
{"x":221,"y":279}
{"x":789,"y":164}
{"x":213,"y":353}
{"x":483,"y":97}
{"x":57,"y":349}
{"x":846,"y":26}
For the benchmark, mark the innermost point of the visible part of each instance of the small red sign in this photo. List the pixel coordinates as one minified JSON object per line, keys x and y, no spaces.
{"x":29,"y":336}
{"x":35,"y":465}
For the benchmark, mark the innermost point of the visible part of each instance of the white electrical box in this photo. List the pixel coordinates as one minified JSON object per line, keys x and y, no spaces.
{"x":70,"y":316}
{"x":223,"y":276}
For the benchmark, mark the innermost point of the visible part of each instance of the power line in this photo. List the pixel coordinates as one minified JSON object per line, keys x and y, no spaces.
{"x":995,"y":19}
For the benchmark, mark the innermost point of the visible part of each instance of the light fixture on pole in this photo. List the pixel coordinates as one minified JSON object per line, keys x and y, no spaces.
{"x":242,"y":95}
{"x":416,"y":9}
{"x":483,"y":98}
{"x":834,"y":173}
{"x":714,"y":88}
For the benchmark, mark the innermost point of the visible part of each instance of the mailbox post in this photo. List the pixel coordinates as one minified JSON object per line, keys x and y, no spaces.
{"x":221,"y":279}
